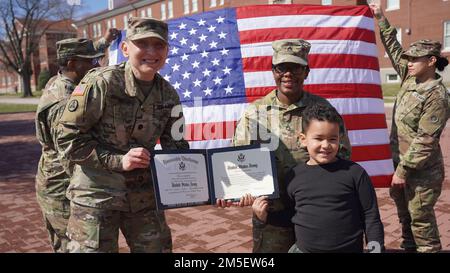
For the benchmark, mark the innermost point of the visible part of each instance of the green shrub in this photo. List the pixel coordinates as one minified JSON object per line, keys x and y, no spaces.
{"x":43,"y":78}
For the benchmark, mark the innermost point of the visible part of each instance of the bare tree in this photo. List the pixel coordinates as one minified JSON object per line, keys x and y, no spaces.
{"x":22,"y":24}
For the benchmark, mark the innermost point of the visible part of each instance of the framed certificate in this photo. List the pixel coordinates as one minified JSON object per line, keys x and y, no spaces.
{"x":184,"y":178}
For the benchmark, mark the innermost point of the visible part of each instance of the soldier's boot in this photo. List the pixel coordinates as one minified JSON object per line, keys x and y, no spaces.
{"x":423,"y":220}
{"x":399,"y":197}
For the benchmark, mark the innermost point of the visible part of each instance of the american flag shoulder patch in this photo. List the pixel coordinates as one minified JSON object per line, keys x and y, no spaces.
{"x":79,"y":90}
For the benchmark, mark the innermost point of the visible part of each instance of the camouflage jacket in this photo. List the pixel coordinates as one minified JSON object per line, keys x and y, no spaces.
{"x":52,"y":177}
{"x":283,"y":136}
{"x":420,"y":114}
{"x":53,"y":174}
{"x":105,"y":117}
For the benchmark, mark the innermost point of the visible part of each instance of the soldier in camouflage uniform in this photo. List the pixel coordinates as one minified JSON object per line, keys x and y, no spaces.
{"x":276,"y":121}
{"x":111,"y":123}
{"x":75,"y":58}
{"x":420,"y":114}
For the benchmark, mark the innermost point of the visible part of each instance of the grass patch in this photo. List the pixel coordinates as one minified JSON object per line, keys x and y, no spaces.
{"x":390,"y":89}
{"x":16,"y":108}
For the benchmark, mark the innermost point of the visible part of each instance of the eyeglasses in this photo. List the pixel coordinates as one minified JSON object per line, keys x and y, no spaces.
{"x":285,"y":67}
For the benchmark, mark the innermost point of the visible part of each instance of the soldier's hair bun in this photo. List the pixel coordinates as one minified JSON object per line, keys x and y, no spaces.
{"x":441,"y":63}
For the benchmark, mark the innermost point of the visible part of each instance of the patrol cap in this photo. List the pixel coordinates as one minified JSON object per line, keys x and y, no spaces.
{"x":290,"y":51}
{"x":145,"y":27}
{"x":77,"y":47}
{"x":423,"y":48}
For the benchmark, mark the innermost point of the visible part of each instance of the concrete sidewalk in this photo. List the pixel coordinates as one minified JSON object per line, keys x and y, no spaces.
{"x":197,"y":229}
{"x":11,"y":100}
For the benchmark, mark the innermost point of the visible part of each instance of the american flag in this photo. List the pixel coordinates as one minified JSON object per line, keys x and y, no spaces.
{"x":220,"y":61}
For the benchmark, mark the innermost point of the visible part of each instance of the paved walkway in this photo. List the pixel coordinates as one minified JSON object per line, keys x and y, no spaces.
{"x":196,"y":229}
{"x":11,"y":100}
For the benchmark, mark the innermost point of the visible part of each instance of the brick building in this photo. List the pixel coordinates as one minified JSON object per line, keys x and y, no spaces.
{"x":415,"y":19}
{"x":43,"y":58}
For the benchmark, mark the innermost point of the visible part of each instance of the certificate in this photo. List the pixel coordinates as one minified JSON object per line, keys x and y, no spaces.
{"x":184,"y":178}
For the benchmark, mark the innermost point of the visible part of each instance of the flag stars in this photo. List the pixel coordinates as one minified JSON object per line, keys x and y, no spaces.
{"x":222,"y":35}
{"x":187,"y":94}
{"x":183,"y":41}
{"x":229,"y":90}
{"x":213,"y":44}
{"x":192,"y":31}
{"x":167,"y":77}
{"x":224,"y":52}
{"x":201,"y":22}
{"x":194,"y":47}
{"x":175,"y":67}
{"x":207,"y":91}
{"x":186,"y":75}
{"x":203,"y":38}
{"x":173,"y":35}
{"x":182,"y":26}
{"x":176,"y":85}
{"x":206,"y":72}
{"x":212,"y":29}
{"x":185,"y":57}
{"x":215,"y":61}
{"x":174,"y":50}
{"x":167,"y":60}
{"x":217,"y":80}
{"x":220,"y":20}
{"x":197,"y":83}
{"x":226,"y":70}
{"x":204,"y":54}
{"x":195,"y":64}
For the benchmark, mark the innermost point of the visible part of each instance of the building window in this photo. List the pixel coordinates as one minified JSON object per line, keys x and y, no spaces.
{"x":99,"y":26}
{"x":94,"y":30}
{"x":194,"y":5}
{"x":170,"y":8}
{"x":212,"y":3}
{"x":163,"y":11}
{"x":113,"y":23}
{"x":327,"y":2}
{"x":392,"y":4}
{"x":280,"y":1}
{"x":125,"y":21}
{"x":447,"y":36}
{"x":149,"y":12}
{"x":110,"y":4}
{"x":221,"y":2}
{"x":108,"y":23}
{"x":186,"y":6}
{"x":392,"y":78}
{"x":143,"y":13}
{"x":84,"y":33}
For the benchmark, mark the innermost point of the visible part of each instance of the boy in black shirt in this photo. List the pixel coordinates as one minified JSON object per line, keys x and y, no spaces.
{"x":335,"y":202}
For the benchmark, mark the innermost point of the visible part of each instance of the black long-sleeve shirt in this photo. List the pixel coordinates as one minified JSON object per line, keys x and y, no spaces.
{"x":335,"y":204}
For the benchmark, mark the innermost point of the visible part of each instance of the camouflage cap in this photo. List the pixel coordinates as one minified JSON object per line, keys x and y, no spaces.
{"x":423,"y":48}
{"x":145,"y":27}
{"x":77,"y":47}
{"x":290,"y":51}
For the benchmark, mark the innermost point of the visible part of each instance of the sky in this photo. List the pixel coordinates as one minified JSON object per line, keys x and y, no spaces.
{"x":91,"y":6}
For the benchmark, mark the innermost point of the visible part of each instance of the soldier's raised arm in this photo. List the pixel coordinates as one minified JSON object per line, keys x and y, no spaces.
{"x":388,"y":35}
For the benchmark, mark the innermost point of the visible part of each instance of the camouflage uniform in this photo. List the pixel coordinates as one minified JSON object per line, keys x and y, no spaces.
{"x":284,"y":125}
{"x":52,"y":177}
{"x":106,"y":116}
{"x":419,"y":116}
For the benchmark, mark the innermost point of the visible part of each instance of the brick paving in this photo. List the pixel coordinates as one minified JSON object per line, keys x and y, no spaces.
{"x":196,"y":229}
